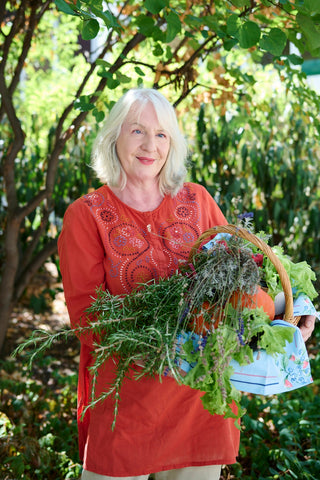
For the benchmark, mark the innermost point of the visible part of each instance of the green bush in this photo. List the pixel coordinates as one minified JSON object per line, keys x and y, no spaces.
{"x":38,"y":428}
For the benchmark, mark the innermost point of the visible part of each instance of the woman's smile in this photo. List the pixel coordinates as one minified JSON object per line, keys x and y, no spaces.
{"x":146,"y":160}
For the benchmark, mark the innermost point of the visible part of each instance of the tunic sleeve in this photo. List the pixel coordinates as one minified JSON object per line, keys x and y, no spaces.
{"x":81,"y":255}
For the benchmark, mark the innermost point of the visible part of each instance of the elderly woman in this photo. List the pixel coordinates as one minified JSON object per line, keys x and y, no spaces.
{"x":136,"y":227}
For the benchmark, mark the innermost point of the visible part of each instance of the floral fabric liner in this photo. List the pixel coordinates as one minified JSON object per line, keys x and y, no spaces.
{"x":269,"y":375}
{"x":303,"y":306}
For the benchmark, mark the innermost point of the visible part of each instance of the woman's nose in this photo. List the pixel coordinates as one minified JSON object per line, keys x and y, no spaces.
{"x":149,"y":143}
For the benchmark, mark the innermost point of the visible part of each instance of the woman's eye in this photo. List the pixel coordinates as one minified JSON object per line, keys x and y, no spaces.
{"x":136,"y":130}
{"x":161,"y":135}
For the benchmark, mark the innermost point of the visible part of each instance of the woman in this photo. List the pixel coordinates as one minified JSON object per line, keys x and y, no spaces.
{"x":137,"y":226}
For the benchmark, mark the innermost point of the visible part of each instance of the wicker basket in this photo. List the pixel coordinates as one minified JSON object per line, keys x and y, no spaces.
{"x":250,"y":237}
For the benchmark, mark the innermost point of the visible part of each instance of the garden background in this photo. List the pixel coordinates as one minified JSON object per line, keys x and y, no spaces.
{"x":236,"y":73}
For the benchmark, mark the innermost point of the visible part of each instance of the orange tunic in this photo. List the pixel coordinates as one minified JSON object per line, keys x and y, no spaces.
{"x":160,"y":425}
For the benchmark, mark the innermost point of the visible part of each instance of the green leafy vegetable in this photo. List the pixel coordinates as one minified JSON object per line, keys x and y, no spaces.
{"x":301,"y":275}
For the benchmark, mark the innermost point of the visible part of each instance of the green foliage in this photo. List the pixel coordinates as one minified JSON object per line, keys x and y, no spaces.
{"x":266,"y":162}
{"x":38,"y":429}
{"x":246,"y":26}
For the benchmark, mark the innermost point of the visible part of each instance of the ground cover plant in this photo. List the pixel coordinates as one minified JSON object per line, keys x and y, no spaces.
{"x":38,"y":432}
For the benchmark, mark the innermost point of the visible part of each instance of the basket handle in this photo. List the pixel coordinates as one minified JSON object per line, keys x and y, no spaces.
{"x":243,"y":233}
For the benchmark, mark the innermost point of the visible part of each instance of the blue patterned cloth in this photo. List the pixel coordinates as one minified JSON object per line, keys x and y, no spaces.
{"x":269,"y":375}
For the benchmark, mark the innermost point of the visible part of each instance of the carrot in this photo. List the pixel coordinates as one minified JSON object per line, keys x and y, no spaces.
{"x":260,"y":299}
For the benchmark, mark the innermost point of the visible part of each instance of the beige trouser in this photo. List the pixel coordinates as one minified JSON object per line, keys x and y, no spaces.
{"x":210,"y":472}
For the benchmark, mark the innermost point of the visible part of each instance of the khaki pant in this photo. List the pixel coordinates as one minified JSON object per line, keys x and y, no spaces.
{"x":210,"y":472}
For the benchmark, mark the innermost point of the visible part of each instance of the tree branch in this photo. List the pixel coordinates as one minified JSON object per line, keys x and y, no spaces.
{"x":196,"y":54}
{"x":34,"y":20}
{"x":2,"y":11}
{"x":84,"y":82}
{"x":184,"y":94}
{"x":22,"y":212}
{"x":28,"y":252}
{"x":24,"y":279}
{"x":18,"y":22}
{"x":13,"y":149}
{"x":176,"y":74}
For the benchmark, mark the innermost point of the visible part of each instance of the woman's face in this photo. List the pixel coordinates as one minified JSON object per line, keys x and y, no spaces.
{"x":142,"y":145}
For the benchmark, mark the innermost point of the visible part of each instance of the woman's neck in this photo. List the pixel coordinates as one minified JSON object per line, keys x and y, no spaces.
{"x":143,"y":199}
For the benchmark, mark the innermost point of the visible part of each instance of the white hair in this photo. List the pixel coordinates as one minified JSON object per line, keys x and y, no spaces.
{"x":105,"y":161}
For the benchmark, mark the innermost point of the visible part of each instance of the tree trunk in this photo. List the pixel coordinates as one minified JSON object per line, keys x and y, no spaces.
{"x":8,"y":277}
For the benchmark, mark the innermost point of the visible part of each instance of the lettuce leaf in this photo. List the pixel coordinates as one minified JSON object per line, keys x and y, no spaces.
{"x":301,"y":275}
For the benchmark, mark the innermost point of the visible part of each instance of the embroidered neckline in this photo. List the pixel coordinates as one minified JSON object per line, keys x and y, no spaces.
{"x":147,"y":212}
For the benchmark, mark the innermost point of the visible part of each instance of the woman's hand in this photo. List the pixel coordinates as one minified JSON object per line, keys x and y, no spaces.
{"x":306,"y":326}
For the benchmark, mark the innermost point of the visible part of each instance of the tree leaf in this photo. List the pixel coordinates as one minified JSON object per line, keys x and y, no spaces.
{"x":102,"y":72}
{"x":274,"y":42}
{"x":123,"y":78}
{"x":229,"y":43}
{"x":64,"y":7}
{"x":312,"y":6}
{"x":155,"y":6}
{"x":193,"y":21}
{"x":103,"y":63}
{"x":98,"y":114}
{"x":113,"y":83}
{"x":145,"y":24}
{"x":83,"y":103}
{"x":233,"y":24}
{"x":311,"y":33}
{"x":295,"y":59}
{"x":211,"y":22}
{"x":158,"y":50}
{"x":240,"y":3}
{"x":173,"y":26}
{"x":108,"y":18}
{"x":248,"y":34}
{"x":90,"y":29}
{"x":139,"y":71}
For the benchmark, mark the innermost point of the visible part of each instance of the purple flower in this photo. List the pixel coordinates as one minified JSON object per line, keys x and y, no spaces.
{"x":240,"y":331}
{"x":242,"y":216}
{"x":184,"y":314}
